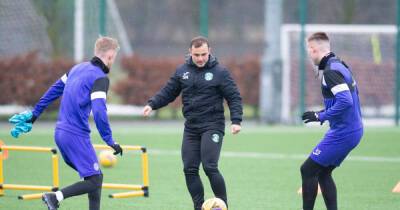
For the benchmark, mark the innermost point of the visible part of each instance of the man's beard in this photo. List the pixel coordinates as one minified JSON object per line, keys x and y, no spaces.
{"x":200,"y":66}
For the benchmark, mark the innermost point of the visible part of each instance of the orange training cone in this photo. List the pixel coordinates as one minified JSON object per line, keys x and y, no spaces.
{"x":396,"y":188}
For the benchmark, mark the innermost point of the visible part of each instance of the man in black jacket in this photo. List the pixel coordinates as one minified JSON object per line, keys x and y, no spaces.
{"x":203,"y":84}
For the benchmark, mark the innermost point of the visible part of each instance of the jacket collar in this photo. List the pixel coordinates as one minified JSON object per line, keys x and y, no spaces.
{"x":99,"y":63}
{"x":212,"y":61}
{"x":325,"y":60}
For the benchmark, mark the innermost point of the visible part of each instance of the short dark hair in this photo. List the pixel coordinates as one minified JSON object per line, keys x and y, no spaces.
{"x":318,"y":36}
{"x":198,"y":41}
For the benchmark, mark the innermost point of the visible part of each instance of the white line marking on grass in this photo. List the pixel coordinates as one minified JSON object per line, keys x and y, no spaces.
{"x":279,"y":156}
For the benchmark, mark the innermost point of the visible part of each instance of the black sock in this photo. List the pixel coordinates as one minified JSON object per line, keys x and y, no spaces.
{"x":89,"y":184}
{"x":328,"y":188}
{"x":309,"y":174}
{"x":195,"y":187}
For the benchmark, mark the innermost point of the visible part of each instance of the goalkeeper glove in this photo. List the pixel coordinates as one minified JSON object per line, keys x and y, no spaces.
{"x":117,"y":149}
{"x":23,"y":117}
{"x":310,"y":116}
{"x":23,"y":123}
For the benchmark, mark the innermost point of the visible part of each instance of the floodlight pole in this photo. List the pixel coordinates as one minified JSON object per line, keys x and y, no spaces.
{"x":78,"y":31}
{"x":102,"y":17}
{"x":204,"y":18}
{"x":270,"y":101}
{"x":302,"y":64}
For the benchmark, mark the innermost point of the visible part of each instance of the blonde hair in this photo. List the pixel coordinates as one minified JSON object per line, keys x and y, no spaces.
{"x":104,"y":44}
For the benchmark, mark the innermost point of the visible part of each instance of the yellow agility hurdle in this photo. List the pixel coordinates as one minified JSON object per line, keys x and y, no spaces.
{"x":134,"y":190}
{"x":137,"y":190}
{"x":54,"y":158}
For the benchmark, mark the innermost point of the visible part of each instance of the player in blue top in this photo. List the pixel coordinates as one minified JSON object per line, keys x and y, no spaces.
{"x":83,"y":89}
{"x":342,"y":110}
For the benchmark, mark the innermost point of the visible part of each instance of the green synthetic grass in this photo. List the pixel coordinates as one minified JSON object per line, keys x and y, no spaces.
{"x":269,"y":180}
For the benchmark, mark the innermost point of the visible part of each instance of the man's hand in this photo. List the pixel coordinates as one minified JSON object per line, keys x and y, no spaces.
{"x":147,"y":110}
{"x":235,"y":129}
{"x":310,"y":116}
{"x":117,"y":149}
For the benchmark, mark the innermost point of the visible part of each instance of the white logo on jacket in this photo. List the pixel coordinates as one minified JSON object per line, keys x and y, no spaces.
{"x":317,"y":152}
{"x":185,"y":75}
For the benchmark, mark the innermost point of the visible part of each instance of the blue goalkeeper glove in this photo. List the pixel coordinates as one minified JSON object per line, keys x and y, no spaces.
{"x":23,"y":123}
{"x":21,"y":128}
{"x":23,"y":117}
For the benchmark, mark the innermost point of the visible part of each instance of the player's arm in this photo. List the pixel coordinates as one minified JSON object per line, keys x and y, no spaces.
{"x":231,"y":94}
{"x":98,"y":98}
{"x":24,"y":120}
{"x":343,"y":99}
{"x":54,"y":92}
{"x":167,"y":94}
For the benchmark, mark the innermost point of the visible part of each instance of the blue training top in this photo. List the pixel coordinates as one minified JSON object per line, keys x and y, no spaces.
{"x":84,"y":89}
{"x":340,"y":92}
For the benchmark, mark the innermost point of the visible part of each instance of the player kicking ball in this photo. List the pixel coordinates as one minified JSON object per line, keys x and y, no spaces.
{"x":83,"y":89}
{"x":342,"y":110}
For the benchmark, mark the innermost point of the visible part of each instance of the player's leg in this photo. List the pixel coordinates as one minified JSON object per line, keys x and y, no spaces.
{"x":211,"y":143}
{"x":191,"y":163}
{"x":88,"y":185}
{"x":309,"y":175}
{"x":333,"y":156}
{"x":79,"y":154}
{"x":328,"y":187}
{"x":94,"y":199}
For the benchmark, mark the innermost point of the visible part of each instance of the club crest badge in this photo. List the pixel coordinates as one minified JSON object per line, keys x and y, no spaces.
{"x":208,"y":76}
{"x":215,"y":138}
{"x":96,"y":166}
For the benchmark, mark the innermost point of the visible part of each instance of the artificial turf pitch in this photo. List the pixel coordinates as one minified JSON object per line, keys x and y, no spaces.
{"x":260,"y":166}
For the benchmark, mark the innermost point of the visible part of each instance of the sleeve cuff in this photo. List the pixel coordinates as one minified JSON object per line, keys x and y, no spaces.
{"x":236,"y":122}
{"x":35,"y":113}
{"x":321,"y":116}
{"x":151,"y":104}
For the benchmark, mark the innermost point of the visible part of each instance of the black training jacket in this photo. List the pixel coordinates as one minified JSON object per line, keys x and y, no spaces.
{"x":203,"y":90}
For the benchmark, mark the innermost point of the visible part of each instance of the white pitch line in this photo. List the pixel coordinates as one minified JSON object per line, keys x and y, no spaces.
{"x":278,"y":156}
